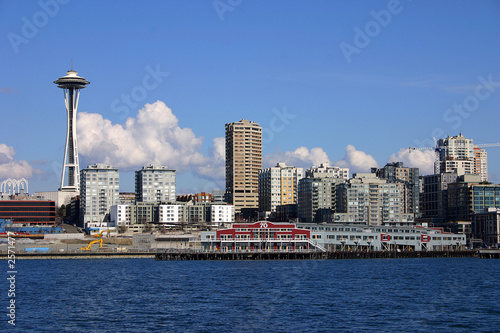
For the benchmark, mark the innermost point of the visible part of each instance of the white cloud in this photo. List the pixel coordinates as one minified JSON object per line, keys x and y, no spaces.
{"x":154,"y":136}
{"x":300,"y":157}
{"x":357,"y":160}
{"x":214,"y":165}
{"x":422,"y":159}
{"x":12,"y":168}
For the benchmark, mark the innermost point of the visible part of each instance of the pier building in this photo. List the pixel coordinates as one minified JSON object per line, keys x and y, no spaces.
{"x":283,"y":237}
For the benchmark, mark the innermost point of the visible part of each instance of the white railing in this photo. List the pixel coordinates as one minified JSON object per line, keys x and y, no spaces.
{"x":316,"y":245}
{"x":304,"y":240}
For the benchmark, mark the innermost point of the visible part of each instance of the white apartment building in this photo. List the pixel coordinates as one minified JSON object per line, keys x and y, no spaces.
{"x":171,"y":214}
{"x":456,"y":154}
{"x":221,"y":213}
{"x":99,"y":190}
{"x":155,"y":183}
{"x":120,"y":215}
{"x":278,"y":186}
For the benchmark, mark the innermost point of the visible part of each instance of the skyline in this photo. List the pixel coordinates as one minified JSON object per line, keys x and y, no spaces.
{"x":327,"y":82}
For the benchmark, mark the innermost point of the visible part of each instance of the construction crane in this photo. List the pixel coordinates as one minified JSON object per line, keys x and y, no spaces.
{"x":438,"y":149}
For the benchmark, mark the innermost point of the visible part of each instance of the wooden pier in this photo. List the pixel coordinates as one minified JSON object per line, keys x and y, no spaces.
{"x":489,"y":254}
{"x":217,"y":255}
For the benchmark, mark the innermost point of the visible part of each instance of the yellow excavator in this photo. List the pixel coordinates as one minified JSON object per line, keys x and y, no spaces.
{"x":90,"y":244}
{"x":100,"y":235}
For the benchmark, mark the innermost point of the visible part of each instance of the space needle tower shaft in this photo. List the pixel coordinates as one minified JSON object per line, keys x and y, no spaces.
{"x":71,"y":85}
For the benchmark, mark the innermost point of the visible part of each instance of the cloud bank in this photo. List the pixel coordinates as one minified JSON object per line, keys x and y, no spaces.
{"x":357,"y":160}
{"x":422,"y":159}
{"x":154,"y":136}
{"x":12,"y":168}
{"x":300,"y":157}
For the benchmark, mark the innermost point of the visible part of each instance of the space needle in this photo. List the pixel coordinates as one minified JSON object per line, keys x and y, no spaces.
{"x":71,"y":84}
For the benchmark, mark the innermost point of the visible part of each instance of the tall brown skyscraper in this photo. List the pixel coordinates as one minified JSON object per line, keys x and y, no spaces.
{"x":243,"y":163}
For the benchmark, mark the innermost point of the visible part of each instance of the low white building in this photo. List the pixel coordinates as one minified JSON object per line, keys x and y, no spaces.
{"x":170,"y":214}
{"x":120,"y":215}
{"x":221,"y":213}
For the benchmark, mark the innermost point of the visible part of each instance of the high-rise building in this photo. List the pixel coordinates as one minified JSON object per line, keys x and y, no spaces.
{"x":373,"y":201}
{"x":481,"y":163}
{"x":456,"y":154}
{"x":407,"y":180}
{"x":243,"y":163}
{"x":71,"y":84}
{"x":434,"y":196}
{"x":278,"y":186}
{"x":486,"y":226}
{"x":317,"y":197}
{"x":155,"y":183}
{"x":100,"y":189}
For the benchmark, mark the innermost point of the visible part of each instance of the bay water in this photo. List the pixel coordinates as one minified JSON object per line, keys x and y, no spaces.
{"x":144,"y":295}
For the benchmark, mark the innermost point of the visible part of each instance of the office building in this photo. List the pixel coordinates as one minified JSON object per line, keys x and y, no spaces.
{"x":434,"y":196}
{"x":485,"y":226}
{"x":243,"y":163}
{"x":28,"y":212}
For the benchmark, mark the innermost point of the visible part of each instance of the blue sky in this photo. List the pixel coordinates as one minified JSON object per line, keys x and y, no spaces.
{"x":353,"y":83}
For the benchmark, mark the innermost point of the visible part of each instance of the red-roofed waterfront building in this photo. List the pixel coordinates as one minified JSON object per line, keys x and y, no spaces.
{"x":259,"y":236}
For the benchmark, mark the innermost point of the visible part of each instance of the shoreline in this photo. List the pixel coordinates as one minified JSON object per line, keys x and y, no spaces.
{"x":95,"y":255}
{"x":314,"y":255}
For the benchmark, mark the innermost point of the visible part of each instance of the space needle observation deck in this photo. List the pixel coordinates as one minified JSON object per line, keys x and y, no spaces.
{"x":71,"y":84}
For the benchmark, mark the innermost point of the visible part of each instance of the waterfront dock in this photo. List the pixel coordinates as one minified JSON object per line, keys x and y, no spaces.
{"x":489,"y":254}
{"x":218,"y":255}
{"x":82,"y":255}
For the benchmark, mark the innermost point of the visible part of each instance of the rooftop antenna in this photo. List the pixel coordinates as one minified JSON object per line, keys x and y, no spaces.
{"x":71,"y":64}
